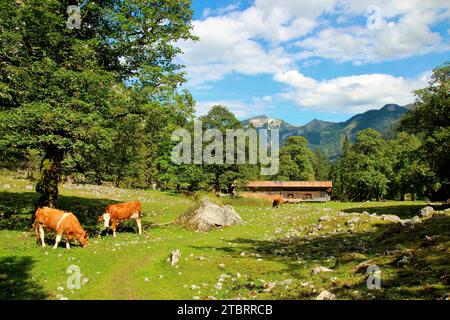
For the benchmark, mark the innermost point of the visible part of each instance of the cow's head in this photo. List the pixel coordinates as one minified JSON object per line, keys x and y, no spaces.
{"x":84,"y":239}
{"x":105,"y":218}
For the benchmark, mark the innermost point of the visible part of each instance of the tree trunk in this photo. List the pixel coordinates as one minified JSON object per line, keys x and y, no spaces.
{"x":50,"y":173}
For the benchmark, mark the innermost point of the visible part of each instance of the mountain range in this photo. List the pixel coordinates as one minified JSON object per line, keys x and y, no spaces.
{"x":329,"y":136}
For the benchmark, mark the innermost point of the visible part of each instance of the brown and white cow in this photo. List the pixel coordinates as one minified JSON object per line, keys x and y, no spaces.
{"x":62,"y":222}
{"x":115,"y":213}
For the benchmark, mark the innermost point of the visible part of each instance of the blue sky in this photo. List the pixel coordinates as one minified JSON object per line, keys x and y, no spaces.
{"x":326,"y":59}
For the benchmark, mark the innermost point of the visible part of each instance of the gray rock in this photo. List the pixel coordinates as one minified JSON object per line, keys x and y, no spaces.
{"x":175,"y":257}
{"x":326,"y":295}
{"x":318,"y":270}
{"x":391,"y":217}
{"x":352,"y":221}
{"x":426,"y":211}
{"x":207,"y":215}
{"x":324,"y":218}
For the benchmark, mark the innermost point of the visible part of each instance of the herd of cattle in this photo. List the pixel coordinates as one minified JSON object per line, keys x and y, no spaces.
{"x":66,"y":223}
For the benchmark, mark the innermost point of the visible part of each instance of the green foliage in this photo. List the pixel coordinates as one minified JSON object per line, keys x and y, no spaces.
{"x":362,"y":171}
{"x":99,"y":97}
{"x":296,"y":160}
{"x":430,"y":120}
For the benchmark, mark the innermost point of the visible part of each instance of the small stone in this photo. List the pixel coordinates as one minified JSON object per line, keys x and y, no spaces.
{"x":175,"y":257}
{"x":326,"y":295}
{"x":286,"y":282}
{"x":318,"y":270}
{"x":222,"y":266}
{"x":268,"y":286}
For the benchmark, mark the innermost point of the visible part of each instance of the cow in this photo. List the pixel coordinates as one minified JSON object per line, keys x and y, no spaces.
{"x":276,"y":201}
{"x":63,"y":223}
{"x":115,"y":213}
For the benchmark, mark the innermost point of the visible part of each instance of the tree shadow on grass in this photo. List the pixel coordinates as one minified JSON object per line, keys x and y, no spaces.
{"x":17,"y":210}
{"x":425,"y":275}
{"x":15,"y":280}
{"x":403,"y":211}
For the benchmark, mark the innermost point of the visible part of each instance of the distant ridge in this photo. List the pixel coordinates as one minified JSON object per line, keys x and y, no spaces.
{"x":328,"y":136}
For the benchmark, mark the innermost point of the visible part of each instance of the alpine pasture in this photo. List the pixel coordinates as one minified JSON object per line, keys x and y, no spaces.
{"x":270,"y":256}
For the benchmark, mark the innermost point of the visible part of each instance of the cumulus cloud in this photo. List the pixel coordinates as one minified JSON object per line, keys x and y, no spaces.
{"x":233,"y":42}
{"x":402,"y":30}
{"x":258,"y":39}
{"x":276,"y":37}
{"x":350,"y":94}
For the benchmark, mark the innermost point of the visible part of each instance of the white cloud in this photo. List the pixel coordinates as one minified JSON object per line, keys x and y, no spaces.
{"x":232,"y":42}
{"x":407,"y":35}
{"x":220,"y":11}
{"x":349,"y":94}
{"x":275,"y":37}
{"x":257,"y":40}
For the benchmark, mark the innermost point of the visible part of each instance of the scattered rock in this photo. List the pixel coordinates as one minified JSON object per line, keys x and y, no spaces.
{"x":318,"y":270}
{"x":146,"y":279}
{"x":324,"y":218}
{"x":268,"y":286}
{"x":426,"y":211}
{"x":201,"y":258}
{"x":362,"y":267}
{"x":206,"y":215}
{"x":355,"y":294}
{"x":404,"y":260}
{"x":286,"y":282}
{"x":326,"y":295}
{"x":222,"y":266}
{"x":391,"y":217}
{"x":175,"y":257}
{"x":352,"y":221}
{"x":7,"y":186}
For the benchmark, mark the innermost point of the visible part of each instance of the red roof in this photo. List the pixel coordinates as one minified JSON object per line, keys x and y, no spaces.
{"x":290,"y":184}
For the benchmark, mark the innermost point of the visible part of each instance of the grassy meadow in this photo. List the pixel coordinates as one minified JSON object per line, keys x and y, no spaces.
{"x":270,"y":256}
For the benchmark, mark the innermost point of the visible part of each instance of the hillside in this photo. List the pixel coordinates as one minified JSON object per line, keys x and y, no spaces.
{"x":329,"y":136}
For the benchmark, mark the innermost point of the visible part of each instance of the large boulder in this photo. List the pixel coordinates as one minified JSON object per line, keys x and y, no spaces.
{"x":206,"y":214}
{"x":426,"y":211}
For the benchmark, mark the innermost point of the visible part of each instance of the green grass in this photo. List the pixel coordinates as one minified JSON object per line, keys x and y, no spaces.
{"x":272,"y":245}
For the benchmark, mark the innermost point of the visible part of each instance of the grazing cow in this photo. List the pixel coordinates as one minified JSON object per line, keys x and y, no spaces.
{"x":62,"y":222}
{"x":276,"y":201}
{"x":115,"y":213}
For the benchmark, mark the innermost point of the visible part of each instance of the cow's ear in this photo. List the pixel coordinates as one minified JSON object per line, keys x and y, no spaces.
{"x":100,"y":218}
